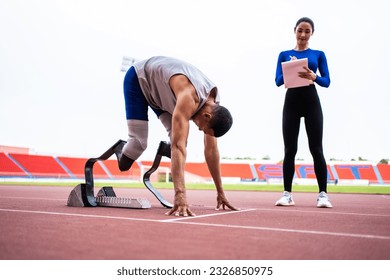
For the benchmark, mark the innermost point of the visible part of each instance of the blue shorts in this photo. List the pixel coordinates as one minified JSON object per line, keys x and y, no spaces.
{"x":135,"y":101}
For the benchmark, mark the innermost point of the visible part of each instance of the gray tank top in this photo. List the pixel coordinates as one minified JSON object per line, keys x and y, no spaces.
{"x":154,"y":75}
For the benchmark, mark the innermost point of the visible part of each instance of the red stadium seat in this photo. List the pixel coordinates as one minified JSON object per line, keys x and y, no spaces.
{"x":9,"y":168}
{"x":41,"y":166}
{"x":76,"y":167}
{"x":134,"y":173}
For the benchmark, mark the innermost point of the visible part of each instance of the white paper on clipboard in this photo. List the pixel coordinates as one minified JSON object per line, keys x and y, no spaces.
{"x":290,"y":71}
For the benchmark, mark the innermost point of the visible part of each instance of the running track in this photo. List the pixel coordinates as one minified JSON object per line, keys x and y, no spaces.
{"x":36,"y":224}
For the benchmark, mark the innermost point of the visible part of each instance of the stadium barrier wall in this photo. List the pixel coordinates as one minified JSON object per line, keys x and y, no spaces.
{"x":20,"y":165}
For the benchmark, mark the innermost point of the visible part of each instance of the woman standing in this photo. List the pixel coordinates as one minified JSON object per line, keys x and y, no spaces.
{"x":304,"y":102}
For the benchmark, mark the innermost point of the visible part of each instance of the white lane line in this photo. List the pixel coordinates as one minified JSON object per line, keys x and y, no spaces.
{"x":275,"y":208}
{"x":78,"y":215}
{"x":340,"y":234}
{"x":207,"y":215}
{"x":322,"y":211}
{"x":33,"y":198}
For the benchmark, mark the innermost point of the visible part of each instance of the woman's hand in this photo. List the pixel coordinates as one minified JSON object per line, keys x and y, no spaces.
{"x":308,"y":74}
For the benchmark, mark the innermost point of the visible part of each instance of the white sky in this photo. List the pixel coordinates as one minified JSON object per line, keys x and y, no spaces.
{"x":61,"y":84}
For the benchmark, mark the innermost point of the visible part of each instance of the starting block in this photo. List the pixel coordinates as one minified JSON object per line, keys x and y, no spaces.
{"x":106,"y":197}
{"x":83,"y":194}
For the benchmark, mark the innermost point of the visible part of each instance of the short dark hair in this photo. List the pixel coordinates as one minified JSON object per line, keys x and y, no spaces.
{"x":221,"y":121}
{"x":305,"y":19}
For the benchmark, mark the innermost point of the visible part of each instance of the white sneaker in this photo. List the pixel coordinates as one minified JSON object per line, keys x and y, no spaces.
{"x":286,"y":200}
{"x":323,"y":201}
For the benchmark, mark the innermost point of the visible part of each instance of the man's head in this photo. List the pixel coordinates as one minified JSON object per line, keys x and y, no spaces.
{"x":213,"y":119}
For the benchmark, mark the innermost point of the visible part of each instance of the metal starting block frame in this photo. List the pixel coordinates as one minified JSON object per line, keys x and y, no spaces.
{"x":107,"y":197}
{"x":83,"y":194}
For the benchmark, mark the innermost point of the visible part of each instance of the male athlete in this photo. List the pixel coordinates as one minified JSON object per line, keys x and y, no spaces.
{"x":178,"y":93}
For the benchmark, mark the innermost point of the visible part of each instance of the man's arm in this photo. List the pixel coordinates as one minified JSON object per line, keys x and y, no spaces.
{"x":186,"y":104}
{"x":212,"y":156}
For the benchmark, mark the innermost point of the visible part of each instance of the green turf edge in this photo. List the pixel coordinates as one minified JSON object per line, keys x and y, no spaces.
{"x":374,"y":189}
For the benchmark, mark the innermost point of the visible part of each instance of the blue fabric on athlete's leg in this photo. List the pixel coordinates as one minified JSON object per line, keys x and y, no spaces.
{"x":135,"y":101}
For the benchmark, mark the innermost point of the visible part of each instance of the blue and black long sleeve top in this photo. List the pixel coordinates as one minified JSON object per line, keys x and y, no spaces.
{"x":316,"y":60}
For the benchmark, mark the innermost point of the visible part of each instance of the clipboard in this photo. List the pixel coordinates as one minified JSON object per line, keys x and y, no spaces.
{"x":290,"y":71}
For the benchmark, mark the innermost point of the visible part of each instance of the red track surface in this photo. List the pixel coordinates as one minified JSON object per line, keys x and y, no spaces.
{"x":36,"y":224}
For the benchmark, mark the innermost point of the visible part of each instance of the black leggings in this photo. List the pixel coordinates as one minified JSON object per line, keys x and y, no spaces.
{"x":303,"y":102}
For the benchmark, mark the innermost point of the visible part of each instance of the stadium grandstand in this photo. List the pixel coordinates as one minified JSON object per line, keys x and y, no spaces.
{"x":16,"y":163}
